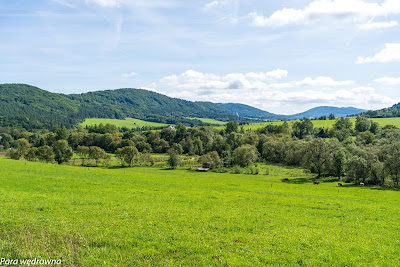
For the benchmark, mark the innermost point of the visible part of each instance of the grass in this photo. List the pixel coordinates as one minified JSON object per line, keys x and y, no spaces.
{"x":128,"y":123}
{"x":147,"y":216}
{"x":211,"y":121}
{"x":325,"y":123}
{"x":134,"y":123}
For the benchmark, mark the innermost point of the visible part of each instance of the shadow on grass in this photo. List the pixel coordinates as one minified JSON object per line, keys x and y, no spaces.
{"x":301,"y":180}
{"x":304,"y":180}
{"x":384,"y":188}
{"x":118,"y":167}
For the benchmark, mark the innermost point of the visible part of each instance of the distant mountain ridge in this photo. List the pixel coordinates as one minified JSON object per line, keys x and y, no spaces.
{"x":326,"y":111}
{"x":255,"y":113}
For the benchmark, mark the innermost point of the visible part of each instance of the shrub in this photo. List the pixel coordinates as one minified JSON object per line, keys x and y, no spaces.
{"x":236,"y":169}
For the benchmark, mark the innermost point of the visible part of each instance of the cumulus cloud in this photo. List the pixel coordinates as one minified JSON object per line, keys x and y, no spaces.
{"x":388,"y":80}
{"x":379,"y":25}
{"x":318,"y":10}
{"x":390,"y":53}
{"x":248,"y":81}
{"x":129,"y":75}
{"x":266,"y":90}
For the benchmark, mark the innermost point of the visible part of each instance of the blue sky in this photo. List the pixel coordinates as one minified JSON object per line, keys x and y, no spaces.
{"x":281,"y":56}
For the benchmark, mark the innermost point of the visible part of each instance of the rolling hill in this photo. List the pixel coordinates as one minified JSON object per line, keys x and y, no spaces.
{"x":393,"y":111}
{"x":33,"y":108}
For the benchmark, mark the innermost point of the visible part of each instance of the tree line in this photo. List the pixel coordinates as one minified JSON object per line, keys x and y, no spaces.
{"x":363,"y":152}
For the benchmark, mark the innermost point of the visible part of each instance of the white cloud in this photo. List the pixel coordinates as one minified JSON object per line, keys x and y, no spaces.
{"x":391,"y":52}
{"x":318,"y":10}
{"x":388,"y":80}
{"x":246,"y":81}
{"x":270,"y":75}
{"x":214,"y":4}
{"x":379,"y":25}
{"x":105,"y":3}
{"x":322,"y":81}
{"x":129,"y":75}
{"x":134,"y":3}
{"x":263,"y":91}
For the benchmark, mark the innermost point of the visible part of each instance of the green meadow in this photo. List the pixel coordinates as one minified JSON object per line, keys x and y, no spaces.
{"x":160,"y":217}
{"x":326,"y":123}
{"x":128,"y":123}
{"x":211,"y":121}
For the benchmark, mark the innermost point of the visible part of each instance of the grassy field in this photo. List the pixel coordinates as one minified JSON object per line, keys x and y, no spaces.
{"x":128,"y":123}
{"x":211,"y":121}
{"x":326,"y":123}
{"x":155,"y":217}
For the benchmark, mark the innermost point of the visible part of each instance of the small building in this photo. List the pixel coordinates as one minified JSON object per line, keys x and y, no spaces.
{"x":171,"y":127}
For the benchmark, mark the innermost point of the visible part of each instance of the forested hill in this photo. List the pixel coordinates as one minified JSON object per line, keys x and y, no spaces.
{"x":33,"y":108}
{"x":147,"y":105}
{"x":251,"y":112}
{"x":393,"y":111}
{"x":30,"y":107}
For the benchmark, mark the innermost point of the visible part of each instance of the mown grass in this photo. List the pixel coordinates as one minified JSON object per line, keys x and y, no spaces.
{"x":147,"y":216}
{"x":128,"y":123}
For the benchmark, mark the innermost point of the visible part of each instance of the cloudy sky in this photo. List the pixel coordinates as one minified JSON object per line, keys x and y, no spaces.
{"x":283,"y":56}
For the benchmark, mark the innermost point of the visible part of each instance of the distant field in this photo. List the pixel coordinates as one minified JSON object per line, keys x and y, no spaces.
{"x":128,"y":123}
{"x":327,"y":123}
{"x":153,"y":217}
{"x":211,"y":121}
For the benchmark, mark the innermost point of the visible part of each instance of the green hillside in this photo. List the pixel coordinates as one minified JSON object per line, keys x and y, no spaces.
{"x":251,"y":112}
{"x":30,"y":107}
{"x":33,"y":108}
{"x":147,"y":105}
{"x":393,"y":111}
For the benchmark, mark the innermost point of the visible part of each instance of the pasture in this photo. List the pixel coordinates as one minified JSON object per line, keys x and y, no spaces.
{"x":211,"y":121}
{"x":128,"y":123}
{"x":325,"y":123}
{"x":159,"y":217}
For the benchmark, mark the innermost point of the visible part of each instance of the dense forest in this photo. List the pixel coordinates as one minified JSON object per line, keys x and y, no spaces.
{"x":361,"y":153}
{"x":393,"y":111}
{"x":33,"y":108}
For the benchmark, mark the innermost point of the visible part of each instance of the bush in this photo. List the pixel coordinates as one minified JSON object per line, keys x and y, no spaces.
{"x":236,"y":169}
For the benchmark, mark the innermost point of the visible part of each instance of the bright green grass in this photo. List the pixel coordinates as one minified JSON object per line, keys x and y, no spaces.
{"x":128,"y":123}
{"x":147,"y":216}
{"x":211,"y":121}
{"x":326,"y":123}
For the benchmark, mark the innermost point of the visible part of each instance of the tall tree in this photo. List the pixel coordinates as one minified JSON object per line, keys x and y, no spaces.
{"x":128,"y":155}
{"x":317,"y":153}
{"x":62,"y":151}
